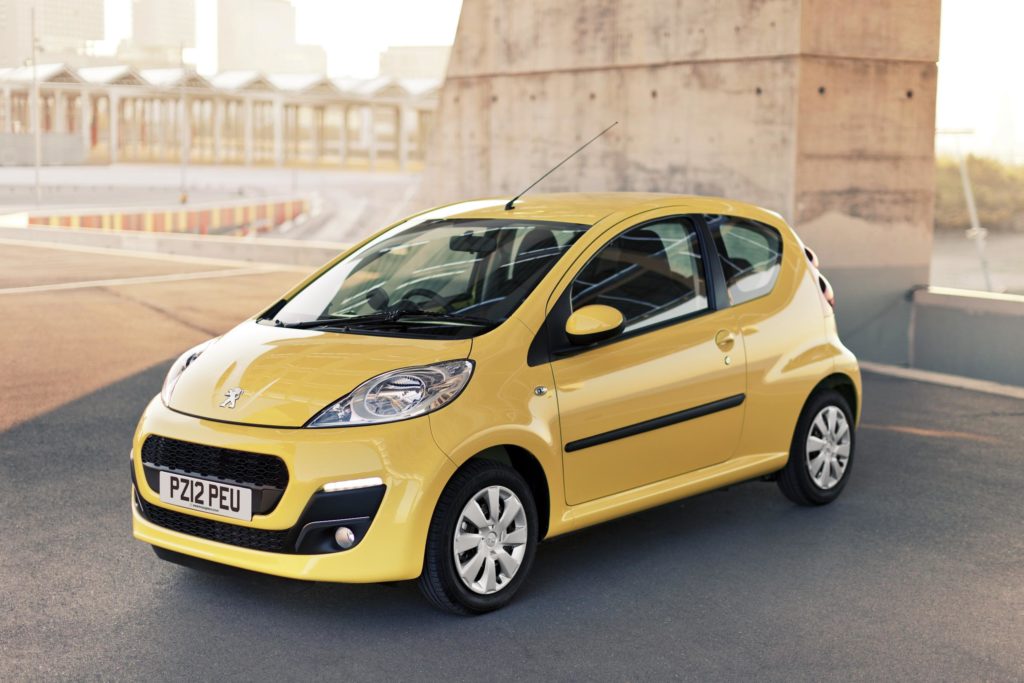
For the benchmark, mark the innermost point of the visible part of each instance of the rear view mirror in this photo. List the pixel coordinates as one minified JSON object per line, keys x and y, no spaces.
{"x":594,"y":323}
{"x":474,"y":244}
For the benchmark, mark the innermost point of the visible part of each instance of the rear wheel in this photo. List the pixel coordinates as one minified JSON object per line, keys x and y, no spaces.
{"x":821,"y":454}
{"x":481,"y":541}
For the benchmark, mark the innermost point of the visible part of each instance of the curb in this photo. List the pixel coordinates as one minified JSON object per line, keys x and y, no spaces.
{"x":955,"y":381}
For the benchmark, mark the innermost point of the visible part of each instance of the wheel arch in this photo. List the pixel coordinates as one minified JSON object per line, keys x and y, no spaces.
{"x":846,"y":387}
{"x":529,"y":468}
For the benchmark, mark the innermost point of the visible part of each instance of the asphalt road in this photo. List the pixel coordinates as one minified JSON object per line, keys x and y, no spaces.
{"x":74,"y":320}
{"x":915,"y":573}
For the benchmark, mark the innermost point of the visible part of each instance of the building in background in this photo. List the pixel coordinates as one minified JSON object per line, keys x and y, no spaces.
{"x":259,"y":35}
{"x":415,"y":61}
{"x":161,"y":29}
{"x":64,"y":29}
{"x":116,"y":113}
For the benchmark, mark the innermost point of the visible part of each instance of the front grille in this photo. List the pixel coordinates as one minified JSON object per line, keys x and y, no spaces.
{"x":210,"y":461}
{"x":232,"y":534}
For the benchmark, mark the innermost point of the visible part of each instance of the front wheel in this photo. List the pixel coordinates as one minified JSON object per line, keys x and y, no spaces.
{"x":821,"y":454}
{"x":481,"y":540}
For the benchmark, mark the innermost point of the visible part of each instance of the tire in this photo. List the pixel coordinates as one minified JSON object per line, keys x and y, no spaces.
{"x":492,"y":582}
{"x":805,"y":479}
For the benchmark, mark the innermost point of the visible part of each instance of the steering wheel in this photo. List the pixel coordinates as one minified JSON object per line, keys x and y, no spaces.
{"x":434,"y":299}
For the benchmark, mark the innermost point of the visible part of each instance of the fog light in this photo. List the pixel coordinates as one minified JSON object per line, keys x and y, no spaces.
{"x":344,"y":537}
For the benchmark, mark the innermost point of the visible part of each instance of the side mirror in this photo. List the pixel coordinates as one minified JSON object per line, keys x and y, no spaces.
{"x":594,"y":323}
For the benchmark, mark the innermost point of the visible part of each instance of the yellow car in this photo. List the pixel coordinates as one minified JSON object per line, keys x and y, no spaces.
{"x":451,"y":391}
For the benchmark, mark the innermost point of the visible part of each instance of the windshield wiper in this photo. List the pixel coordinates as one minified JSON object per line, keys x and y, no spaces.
{"x":388,"y":317}
{"x":449,"y":317}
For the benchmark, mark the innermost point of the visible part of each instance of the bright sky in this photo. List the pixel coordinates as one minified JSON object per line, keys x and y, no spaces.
{"x":981,"y":76}
{"x":352,"y":32}
{"x":981,"y":84}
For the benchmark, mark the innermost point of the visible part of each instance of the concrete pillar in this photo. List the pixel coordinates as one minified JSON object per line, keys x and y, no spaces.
{"x":218,"y":130}
{"x":247,"y":131}
{"x":343,"y":136}
{"x":822,"y":110}
{"x":114,"y":116}
{"x":134,"y":129}
{"x":316,"y":133}
{"x":278,"y":115}
{"x":8,"y":112}
{"x":142,"y":112}
{"x":371,"y":136}
{"x":60,"y":123}
{"x":423,"y":123}
{"x":159,"y":122}
{"x":294,"y":132}
{"x":401,"y":137}
{"x":171,"y":113}
{"x":85,"y":120}
{"x":184,"y":128}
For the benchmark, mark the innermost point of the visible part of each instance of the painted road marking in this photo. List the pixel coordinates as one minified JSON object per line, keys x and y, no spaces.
{"x":145,"y":279}
{"x":935,"y":433}
{"x":956,"y":381}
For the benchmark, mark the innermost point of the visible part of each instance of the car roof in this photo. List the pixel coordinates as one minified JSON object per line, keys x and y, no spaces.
{"x":588,"y":208}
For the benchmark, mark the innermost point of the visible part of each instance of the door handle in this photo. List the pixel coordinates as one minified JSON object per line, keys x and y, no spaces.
{"x":725,"y":340}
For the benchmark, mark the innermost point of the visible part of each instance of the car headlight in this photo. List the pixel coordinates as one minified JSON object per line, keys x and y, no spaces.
{"x":184,"y":360}
{"x":398,"y":395}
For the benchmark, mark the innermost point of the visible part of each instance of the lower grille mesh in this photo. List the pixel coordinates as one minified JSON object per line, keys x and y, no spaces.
{"x":232,"y":534}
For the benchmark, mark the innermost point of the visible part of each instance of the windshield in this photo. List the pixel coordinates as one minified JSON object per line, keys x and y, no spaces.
{"x":448,"y":277}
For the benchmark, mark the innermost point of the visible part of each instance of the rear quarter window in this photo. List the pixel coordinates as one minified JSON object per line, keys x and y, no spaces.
{"x":750,"y":253}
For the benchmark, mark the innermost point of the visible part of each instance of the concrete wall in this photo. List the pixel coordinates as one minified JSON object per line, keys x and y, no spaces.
{"x":822,"y":110}
{"x":968,"y":333}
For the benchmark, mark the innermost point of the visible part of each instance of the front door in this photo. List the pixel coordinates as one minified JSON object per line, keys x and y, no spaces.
{"x":666,"y":396}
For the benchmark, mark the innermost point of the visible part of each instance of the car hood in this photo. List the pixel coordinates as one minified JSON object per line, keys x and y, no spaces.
{"x":287,"y":376}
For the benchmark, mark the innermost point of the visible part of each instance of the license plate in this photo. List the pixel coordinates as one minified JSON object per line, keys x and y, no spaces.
{"x":208,"y":496}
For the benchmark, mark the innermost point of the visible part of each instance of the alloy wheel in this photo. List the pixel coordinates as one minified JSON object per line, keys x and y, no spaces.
{"x":490,"y":540}
{"x":828,"y":447}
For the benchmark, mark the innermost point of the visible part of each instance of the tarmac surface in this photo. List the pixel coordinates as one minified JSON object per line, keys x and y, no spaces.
{"x":915,"y":573}
{"x":75,"y":319}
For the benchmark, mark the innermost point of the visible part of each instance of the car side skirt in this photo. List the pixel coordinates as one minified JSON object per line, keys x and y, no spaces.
{"x":661,"y":492}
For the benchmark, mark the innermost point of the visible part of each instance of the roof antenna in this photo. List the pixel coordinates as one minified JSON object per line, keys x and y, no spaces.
{"x":512,"y":202}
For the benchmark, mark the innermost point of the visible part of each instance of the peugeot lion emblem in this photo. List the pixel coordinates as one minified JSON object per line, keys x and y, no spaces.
{"x":232,"y":396}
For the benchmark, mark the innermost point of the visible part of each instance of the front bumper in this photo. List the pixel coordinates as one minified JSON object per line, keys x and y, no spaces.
{"x":403,"y":455}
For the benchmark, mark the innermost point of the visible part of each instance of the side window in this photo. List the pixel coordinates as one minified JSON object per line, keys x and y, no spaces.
{"x":751,"y":255}
{"x":652,"y":274}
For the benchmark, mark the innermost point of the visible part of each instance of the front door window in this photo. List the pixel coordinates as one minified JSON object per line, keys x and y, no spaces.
{"x":652,"y":274}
